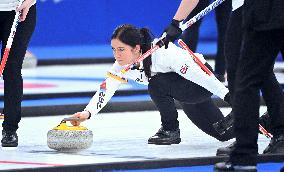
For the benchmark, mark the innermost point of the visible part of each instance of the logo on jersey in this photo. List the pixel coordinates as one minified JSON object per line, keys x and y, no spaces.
{"x":183,"y":69}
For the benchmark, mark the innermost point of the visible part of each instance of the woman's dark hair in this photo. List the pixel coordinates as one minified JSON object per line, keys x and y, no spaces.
{"x":132,"y":36}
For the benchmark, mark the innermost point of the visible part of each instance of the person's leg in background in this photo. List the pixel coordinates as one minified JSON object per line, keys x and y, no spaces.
{"x":13,"y":81}
{"x":258,"y":55}
{"x":270,"y":88}
{"x":191,"y":35}
{"x":222,"y":17}
{"x":232,"y":46}
{"x":275,"y":105}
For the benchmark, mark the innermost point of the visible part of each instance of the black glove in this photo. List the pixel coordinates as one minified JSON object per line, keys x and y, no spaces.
{"x":173,"y":32}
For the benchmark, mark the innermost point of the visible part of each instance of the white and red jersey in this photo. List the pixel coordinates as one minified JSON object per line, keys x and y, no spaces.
{"x":237,"y":4}
{"x":173,"y":59}
{"x":9,"y":5}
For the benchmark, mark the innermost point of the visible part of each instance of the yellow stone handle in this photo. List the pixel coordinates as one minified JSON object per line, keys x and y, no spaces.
{"x":64,"y":126}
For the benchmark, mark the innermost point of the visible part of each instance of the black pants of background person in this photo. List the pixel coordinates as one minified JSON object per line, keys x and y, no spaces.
{"x":232,"y":53}
{"x":259,"y":52}
{"x":190,"y":35}
{"x":13,"y":82}
{"x":195,"y":100}
{"x":233,"y":43}
{"x":270,"y":86}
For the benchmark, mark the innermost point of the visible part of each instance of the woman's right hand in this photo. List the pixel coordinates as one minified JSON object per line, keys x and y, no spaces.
{"x":83,"y":116}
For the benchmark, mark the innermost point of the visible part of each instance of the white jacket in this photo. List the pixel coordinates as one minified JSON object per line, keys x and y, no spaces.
{"x":173,"y":59}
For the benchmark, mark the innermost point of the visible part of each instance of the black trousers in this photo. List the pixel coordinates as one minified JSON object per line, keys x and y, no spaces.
{"x":270,"y":87}
{"x":190,"y":36}
{"x":232,"y":53}
{"x":165,"y":88}
{"x":258,"y":54}
{"x":13,"y":81}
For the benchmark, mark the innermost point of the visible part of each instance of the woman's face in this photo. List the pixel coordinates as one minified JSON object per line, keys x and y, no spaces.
{"x":123,"y":53}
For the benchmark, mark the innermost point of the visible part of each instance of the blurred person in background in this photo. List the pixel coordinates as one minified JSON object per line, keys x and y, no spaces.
{"x":13,"y":81}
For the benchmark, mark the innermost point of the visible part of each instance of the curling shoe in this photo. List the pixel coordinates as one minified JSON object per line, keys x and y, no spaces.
{"x":227,"y":122}
{"x":224,"y":151}
{"x":276,"y":145}
{"x":224,"y":124}
{"x":163,"y":137}
{"x":9,"y":139}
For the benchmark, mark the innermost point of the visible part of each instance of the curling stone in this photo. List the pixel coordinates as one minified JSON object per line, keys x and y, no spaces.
{"x":69,"y":138}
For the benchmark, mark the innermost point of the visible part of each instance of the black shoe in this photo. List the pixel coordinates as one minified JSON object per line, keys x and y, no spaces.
{"x":224,"y":124}
{"x":224,"y":151}
{"x":276,"y":145}
{"x":9,"y":139}
{"x":227,"y":122}
{"x":227,"y":166}
{"x":163,"y":137}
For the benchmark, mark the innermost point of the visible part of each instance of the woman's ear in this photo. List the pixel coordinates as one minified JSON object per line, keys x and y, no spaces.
{"x":138,"y":49}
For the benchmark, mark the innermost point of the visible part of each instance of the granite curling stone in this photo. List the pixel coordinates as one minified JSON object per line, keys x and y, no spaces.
{"x":69,"y":138}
